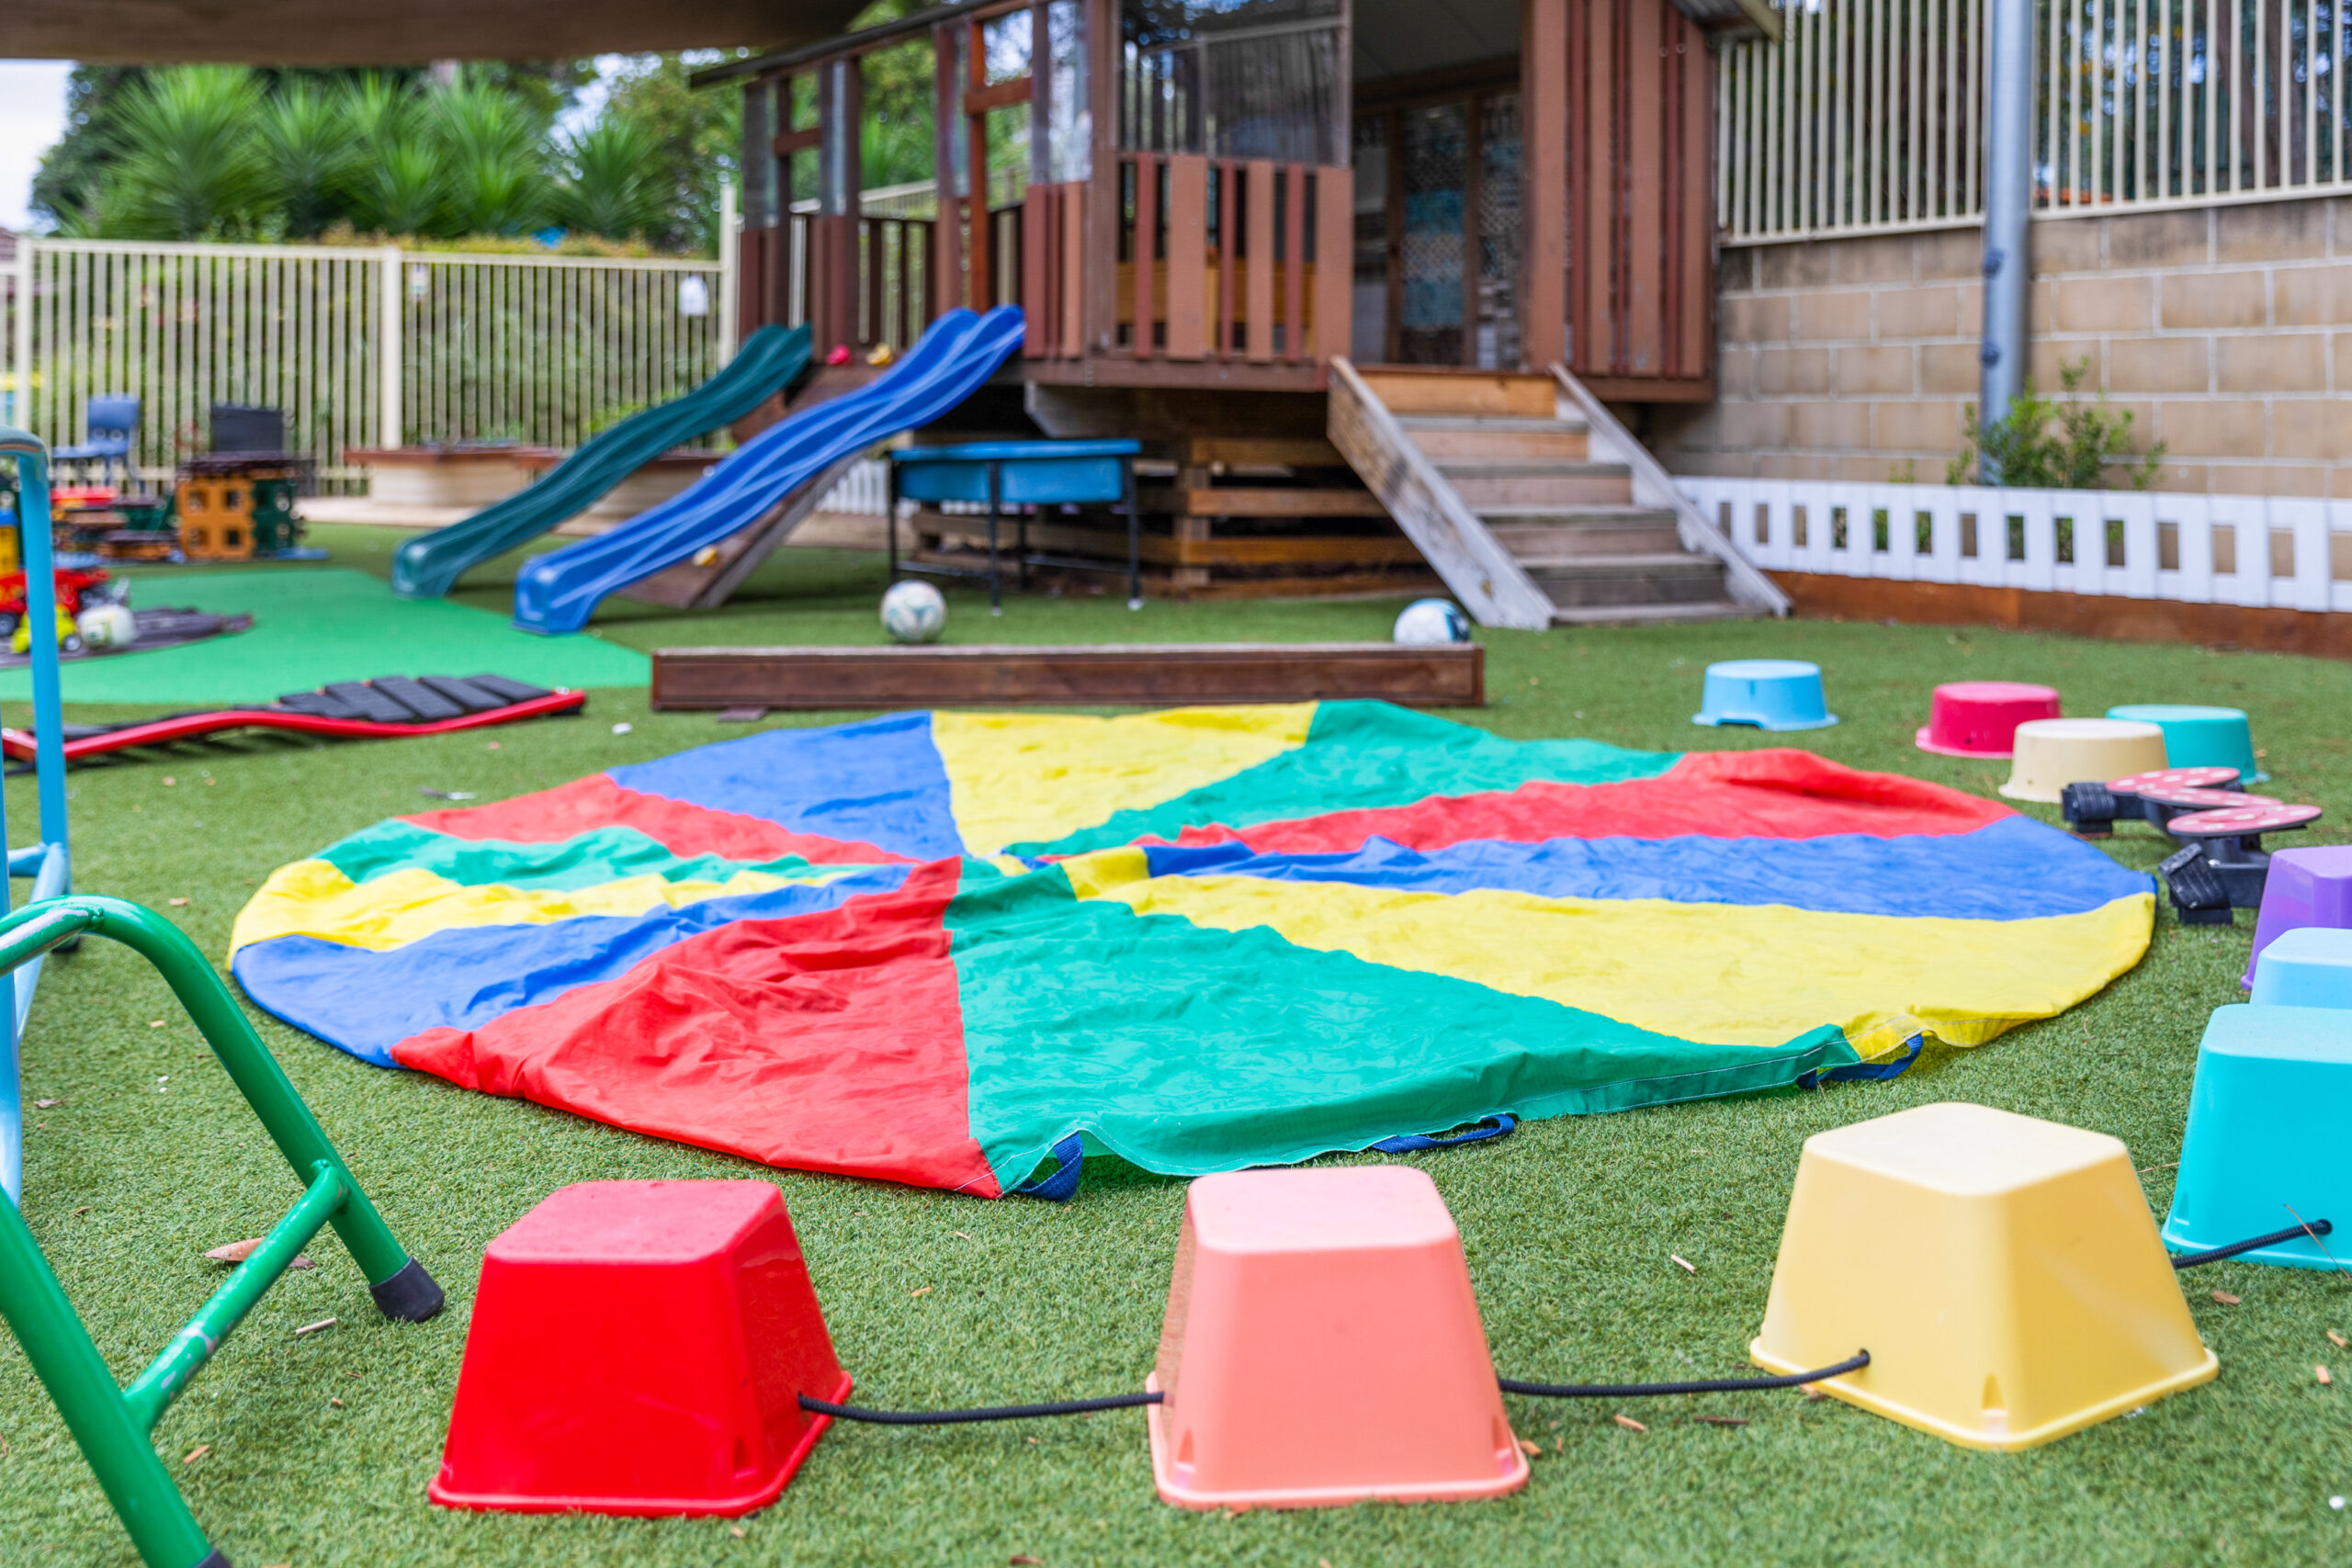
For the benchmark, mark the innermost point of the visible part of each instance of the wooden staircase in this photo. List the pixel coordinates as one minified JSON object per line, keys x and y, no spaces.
{"x":1535,"y":505}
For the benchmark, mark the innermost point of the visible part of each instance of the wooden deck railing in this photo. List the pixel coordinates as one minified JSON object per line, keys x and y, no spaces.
{"x":1220,"y":258}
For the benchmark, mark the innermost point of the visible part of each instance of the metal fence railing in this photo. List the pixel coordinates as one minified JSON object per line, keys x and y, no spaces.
{"x":540,"y":349}
{"x":1867,"y":116}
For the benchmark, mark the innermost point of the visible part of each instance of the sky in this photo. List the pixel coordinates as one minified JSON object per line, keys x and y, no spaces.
{"x":32,"y":118}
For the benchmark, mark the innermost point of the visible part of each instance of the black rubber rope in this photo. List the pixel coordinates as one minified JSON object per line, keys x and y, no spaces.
{"x":1853,"y":1363}
{"x":991,"y":1413}
{"x":1129,"y":1401}
{"x":2316,"y":1229}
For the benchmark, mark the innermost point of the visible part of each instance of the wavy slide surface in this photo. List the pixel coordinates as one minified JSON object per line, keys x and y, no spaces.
{"x":429,"y":565}
{"x":557,"y":591}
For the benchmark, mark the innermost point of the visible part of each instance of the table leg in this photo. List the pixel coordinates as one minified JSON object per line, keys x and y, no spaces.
{"x":1134,"y":533}
{"x":996,"y":575}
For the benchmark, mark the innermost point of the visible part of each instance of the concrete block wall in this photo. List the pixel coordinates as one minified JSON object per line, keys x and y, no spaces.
{"x":2226,"y":330}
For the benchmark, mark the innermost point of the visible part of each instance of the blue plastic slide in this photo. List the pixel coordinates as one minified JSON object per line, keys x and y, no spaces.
{"x":429,"y":565}
{"x":557,"y":591}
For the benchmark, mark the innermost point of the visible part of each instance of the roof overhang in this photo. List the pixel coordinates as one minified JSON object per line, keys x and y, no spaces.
{"x":399,"y":32}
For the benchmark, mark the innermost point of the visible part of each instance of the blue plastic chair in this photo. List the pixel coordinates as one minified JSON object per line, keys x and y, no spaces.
{"x":107,"y":429}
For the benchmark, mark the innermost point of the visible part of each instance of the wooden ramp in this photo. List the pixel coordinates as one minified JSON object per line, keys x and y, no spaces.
{"x":746,"y":681}
{"x":1532,"y":503}
{"x":711,"y":578}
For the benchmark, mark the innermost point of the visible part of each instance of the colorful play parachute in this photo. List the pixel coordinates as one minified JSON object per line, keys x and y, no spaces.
{"x":933,"y":947}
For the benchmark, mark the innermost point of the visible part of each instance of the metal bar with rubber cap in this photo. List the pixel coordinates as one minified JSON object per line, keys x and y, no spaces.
{"x":110,"y":1423}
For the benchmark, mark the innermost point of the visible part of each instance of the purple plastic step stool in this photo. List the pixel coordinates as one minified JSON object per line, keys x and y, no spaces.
{"x":2307,"y":888}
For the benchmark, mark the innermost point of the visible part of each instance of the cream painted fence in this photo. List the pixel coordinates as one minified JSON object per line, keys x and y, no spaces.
{"x":1868,"y":116}
{"x":2202,"y":549}
{"x":540,"y":349}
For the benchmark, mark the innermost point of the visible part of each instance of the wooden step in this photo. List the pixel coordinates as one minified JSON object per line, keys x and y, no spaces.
{"x":1475,"y":393}
{"x":1485,"y":485}
{"x":1651,"y":615}
{"x":1630,"y":580}
{"x":1610,"y":532}
{"x":1481,"y":438}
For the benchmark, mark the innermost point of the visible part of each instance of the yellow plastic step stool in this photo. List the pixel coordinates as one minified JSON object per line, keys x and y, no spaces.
{"x":2004,"y":1273}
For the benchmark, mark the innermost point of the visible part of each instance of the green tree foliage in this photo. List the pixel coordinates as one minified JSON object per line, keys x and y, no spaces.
{"x":2044,"y":444}
{"x":610,"y":186}
{"x":190,"y":166}
{"x":697,"y":139}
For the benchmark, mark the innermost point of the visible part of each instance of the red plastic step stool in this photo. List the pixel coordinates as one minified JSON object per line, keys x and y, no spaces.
{"x":640,"y":1348}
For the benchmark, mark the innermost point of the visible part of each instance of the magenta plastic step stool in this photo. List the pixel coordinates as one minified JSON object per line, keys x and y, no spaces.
{"x":2310,"y":886}
{"x":640,"y":1348}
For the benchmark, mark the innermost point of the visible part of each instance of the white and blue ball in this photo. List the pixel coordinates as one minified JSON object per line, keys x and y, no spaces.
{"x":107,"y":625}
{"x":1426,"y":621}
{"x":913,"y":611}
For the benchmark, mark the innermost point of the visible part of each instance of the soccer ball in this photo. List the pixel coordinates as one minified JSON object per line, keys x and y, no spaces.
{"x":913,"y":611}
{"x":1431,"y":620}
{"x":107,"y":625}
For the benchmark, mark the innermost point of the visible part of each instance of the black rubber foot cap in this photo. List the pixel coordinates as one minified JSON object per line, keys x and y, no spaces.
{"x":409,"y":1296}
{"x":215,"y":1558}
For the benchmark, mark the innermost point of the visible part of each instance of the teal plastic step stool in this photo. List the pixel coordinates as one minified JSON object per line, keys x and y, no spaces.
{"x":1764,"y":693}
{"x":2264,"y":1147}
{"x":2197,"y":737}
{"x":2309,"y":967}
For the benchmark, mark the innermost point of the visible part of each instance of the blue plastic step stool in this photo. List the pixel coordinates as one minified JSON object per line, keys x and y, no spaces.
{"x":2264,"y":1147}
{"x":2197,"y":737}
{"x":1764,"y":693}
{"x":2308,"y":967}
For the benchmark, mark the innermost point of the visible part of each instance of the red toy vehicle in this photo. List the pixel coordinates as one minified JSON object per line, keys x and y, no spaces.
{"x":77,"y":591}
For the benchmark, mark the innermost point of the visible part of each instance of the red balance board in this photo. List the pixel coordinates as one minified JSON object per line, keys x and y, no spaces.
{"x":386,"y":707}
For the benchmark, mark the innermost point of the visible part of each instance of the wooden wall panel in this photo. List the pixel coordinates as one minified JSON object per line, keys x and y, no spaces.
{"x":1188,"y":256}
{"x":1335,"y":260}
{"x":1544,"y":181}
{"x":1038,"y":254}
{"x":1640,"y":273}
{"x":1258,"y":226}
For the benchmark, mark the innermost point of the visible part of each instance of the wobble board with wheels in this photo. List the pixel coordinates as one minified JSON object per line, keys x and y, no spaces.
{"x":1142,"y":674}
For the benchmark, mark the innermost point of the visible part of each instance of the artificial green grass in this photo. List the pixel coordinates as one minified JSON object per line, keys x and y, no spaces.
{"x":315,"y":624}
{"x":1567,"y":1224}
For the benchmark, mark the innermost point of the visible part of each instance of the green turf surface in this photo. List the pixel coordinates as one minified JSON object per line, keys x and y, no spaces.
{"x":1568,"y":1224}
{"x":313,"y":624}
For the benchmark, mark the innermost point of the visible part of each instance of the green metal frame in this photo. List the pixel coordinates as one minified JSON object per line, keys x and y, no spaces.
{"x":112,"y":1424}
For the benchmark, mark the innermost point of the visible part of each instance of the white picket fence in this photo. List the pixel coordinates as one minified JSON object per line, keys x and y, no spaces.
{"x":2202,"y":549}
{"x":1868,"y":116}
{"x":542,"y":349}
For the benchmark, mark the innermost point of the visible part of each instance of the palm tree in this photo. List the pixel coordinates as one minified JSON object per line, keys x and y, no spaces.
{"x":492,"y":147}
{"x":189,"y":167}
{"x":303,"y":145}
{"x":612,"y":187}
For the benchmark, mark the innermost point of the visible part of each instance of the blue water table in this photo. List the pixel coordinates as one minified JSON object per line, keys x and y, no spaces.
{"x":1765,"y":693}
{"x":1020,"y":475}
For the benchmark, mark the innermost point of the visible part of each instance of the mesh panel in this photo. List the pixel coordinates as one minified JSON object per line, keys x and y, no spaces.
{"x":1435,"y":166}
{"x":1498,"y":232}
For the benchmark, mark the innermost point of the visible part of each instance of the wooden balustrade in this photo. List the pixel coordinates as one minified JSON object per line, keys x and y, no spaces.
{"x":1222,"y":259}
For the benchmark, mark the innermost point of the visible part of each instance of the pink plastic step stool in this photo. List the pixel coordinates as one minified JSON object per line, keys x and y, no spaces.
{"x":2306,"y":888}
{"x":1980,"y":718}
{"x":640,"y":1348}
{"x":1322,"y":1346}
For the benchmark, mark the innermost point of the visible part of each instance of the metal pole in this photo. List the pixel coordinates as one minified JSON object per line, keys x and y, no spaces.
{"x":390,"y":318}
{"x":731,"y":248}
{"x":2008,"y":196}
